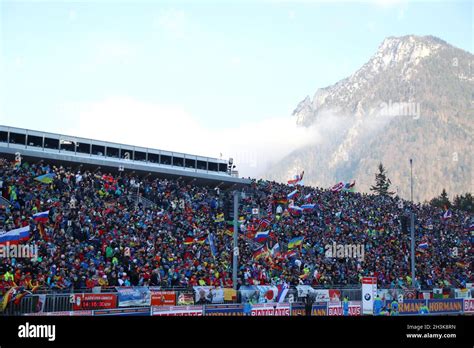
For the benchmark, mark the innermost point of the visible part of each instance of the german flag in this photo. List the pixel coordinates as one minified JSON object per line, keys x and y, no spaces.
{"x":188,"y":240}
{"x":201,"y":240}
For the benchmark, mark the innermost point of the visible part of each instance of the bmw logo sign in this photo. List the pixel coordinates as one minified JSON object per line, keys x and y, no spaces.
{"x":367,"y":297}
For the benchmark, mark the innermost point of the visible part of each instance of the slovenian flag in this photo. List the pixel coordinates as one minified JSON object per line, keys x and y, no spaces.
{"x":261,"y":237}
{"x":41,"y":217}
{"x":295,"y":242}
{"x":295,"y":210}
{"x":15,"y":236}
{"x":282,"y":291}
{"x":423,"y":245}
{"x":308,"y":207}
{"x":292,"y":194}
{"x":338,"y":187}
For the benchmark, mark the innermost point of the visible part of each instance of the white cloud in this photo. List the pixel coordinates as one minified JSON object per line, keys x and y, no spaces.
{"x":253,"y":145}
{"x":173,"y":22}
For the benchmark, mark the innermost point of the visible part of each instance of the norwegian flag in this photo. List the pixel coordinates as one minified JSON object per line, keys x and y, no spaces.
{"x":264,"y":223}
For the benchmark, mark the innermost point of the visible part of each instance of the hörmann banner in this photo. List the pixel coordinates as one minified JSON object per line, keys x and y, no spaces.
{"x":224,"y":309}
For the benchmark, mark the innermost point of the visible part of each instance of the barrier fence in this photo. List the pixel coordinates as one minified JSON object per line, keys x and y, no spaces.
{"x":264,"y":300}
{"x":354,"y":308}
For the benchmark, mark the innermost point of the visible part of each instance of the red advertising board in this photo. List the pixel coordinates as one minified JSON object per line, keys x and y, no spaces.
{"x":57,"y":314}
{"x":163,"y":298}
{"x":335,"y":309}
{"x":271,"y":309}
{"x":94,"y":301}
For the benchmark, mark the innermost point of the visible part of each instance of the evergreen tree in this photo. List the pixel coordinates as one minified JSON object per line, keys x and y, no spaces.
{"x":442,"y":201}
{"x":382,"y":183}
{"x":464,"y":202}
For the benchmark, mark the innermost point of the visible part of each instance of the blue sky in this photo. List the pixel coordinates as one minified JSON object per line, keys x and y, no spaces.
{"x":211,"y":65}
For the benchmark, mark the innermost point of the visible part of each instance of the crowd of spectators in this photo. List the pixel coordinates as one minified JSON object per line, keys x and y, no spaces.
{"x":99,"y":234}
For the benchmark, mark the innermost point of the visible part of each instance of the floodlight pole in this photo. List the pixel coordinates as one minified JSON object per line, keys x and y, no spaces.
{"x":235,"y":242}
{"x":412,"y":228}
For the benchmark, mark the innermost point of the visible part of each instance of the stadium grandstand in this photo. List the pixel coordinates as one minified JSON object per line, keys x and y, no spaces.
{"x":105,"y":216}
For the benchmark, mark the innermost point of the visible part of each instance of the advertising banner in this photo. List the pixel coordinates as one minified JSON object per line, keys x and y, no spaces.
{"x":319,"y":309}
{"x":263,"y":293}
{"x":469,"y":306}
{"x":133,"y":296}
{"x":177,"y":311}
{"x":445,"y":306}
{"x":162,"y":298}
{"x":369,"y":292}
{"x":94,"y":301}
{"x":336,"y":308}
{"x":407,"y":307}
{"x":298,"y":309}
{"x":271,"y":309}
{"x":61,"y":314}
{"x":185,"y":299}
{"x":140,"y":311}
{"x":319,"y":295}
{"x":224,"y":309}
{"x":208,"y":294}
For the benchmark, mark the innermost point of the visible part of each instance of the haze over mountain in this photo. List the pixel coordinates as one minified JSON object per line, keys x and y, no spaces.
{"x":413,"y":99}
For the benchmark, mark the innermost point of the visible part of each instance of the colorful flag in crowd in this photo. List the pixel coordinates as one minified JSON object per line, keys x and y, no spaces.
{"x":46,"y":178}
{"x":308,"y":207}
{"x":42,"y":232}
{"x":298,"y":179}
{"x":15,"y":236}
{"x":276,"y":250}
{"x":295,"y":210}
{"x":188,"y":240}
{"x":338,"y":187}
{"x":423,"y":245}
{"x":292,"y":194}
{"x":448,"y":214}
{"x":282,"y":292}
{"x":229,"y":231}
{"x":308,"y":196}
{"x":295,"y":242}
{"x":282,"y":201}
{"x":201,"y":240}
{"x":264,"y":223}
{"x":349,"y":186}
{"x":41,"y":217}
{"x":212,"y":244}
{"x":261,"y":237}
{"x":262,"y":252}
{"x":290,"y":254}
{"x":219,"y":218}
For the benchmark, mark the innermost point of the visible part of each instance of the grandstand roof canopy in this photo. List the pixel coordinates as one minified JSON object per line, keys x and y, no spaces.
{"x":76,"y":151}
